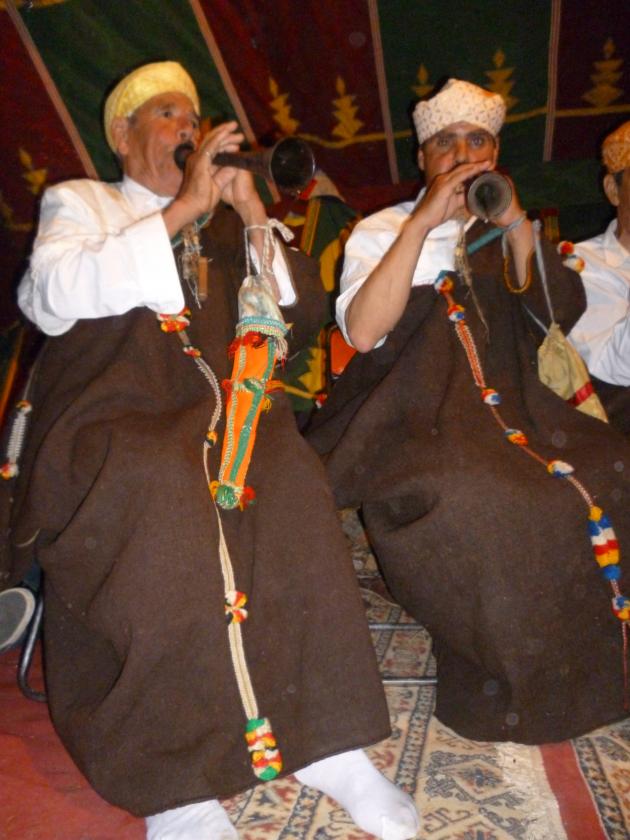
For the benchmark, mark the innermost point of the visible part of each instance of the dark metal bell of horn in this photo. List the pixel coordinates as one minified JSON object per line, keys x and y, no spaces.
{"x":488,"y":195}
{"x":290,"y":164}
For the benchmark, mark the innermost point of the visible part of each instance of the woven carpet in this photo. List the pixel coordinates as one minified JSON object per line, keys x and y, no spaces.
{"x":465,"y":790}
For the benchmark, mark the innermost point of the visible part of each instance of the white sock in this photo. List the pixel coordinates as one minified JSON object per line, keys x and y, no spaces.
{"x":198,"y":821}
{"x":375,"y":804}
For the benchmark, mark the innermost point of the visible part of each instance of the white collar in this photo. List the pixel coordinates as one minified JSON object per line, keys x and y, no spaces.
{"x":615,"y":253}
{"x":142,"y":199}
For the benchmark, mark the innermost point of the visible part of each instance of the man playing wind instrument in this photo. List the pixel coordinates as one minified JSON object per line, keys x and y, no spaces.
{"x":204,"y":630}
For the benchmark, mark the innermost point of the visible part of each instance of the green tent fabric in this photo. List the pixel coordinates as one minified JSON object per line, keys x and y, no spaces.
{"x":344,"y":76}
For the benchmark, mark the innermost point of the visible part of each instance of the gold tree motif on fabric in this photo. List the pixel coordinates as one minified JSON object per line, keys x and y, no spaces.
{"x":500,"y":79}
{"x":347,"y":125}
{"x":424,"y":86}
{"x":36,"y":178}
{"x":8,"y":218}
{"x":607,"y":74}
{"x":313,"y":378}
{"x":31,"y":4}
{"x":282,"y":108}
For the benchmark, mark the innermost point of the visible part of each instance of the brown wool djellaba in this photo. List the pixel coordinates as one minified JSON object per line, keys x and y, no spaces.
{"x":474,"y":538}
{"x":139,"y":678}
{"x":616,"y":401}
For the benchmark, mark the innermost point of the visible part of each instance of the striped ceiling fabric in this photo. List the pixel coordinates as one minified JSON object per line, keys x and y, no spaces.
{"x":342,"y":75}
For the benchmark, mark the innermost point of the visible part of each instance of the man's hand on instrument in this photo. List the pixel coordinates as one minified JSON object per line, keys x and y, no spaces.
{"x":445,"y":197}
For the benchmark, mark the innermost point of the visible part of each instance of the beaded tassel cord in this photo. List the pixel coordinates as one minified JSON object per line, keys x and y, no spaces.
{"x":253,"y":377}
{"x":602,"y":535}
{"x":10,"y":468}
{"x":265,"y":756}
{"x":23,"y":408}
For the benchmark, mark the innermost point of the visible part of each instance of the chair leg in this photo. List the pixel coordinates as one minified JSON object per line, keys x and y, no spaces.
{"x":26,"y":656}
{"x":409,"y":680}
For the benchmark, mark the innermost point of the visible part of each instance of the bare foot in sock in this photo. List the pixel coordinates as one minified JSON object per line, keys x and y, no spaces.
{"x":199,"y":821}
{"x":374,"y":803}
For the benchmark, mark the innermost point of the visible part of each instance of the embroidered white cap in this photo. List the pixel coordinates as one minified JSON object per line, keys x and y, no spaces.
{"x":459,"y":101}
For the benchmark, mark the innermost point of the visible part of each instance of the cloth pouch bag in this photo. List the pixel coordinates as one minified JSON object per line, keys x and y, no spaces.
{"x":561,"y":368}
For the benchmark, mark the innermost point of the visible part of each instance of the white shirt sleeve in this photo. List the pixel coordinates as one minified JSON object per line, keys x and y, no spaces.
{"x":92,"y":259}
{"x":365,"y":248}
{"x":374,"y":236}
{"x":602,"y":335}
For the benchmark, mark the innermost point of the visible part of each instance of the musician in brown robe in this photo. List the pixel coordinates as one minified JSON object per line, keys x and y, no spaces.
{"x":491,"y":504}
{"x":179,"y":633}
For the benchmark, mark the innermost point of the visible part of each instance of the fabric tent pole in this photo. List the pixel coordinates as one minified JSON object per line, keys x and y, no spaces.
{"x":213,"y":49}
{"x":51,"y":90}
{"x":379,"y":61}
{"x":552,"y":77}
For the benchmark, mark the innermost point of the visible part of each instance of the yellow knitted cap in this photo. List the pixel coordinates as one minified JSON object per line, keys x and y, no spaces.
{"x":141,"y":85}
{"x":616,"y":149}
{"x":459,"y":101}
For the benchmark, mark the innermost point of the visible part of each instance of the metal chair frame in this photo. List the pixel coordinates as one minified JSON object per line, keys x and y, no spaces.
{"x":28,"y":649}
